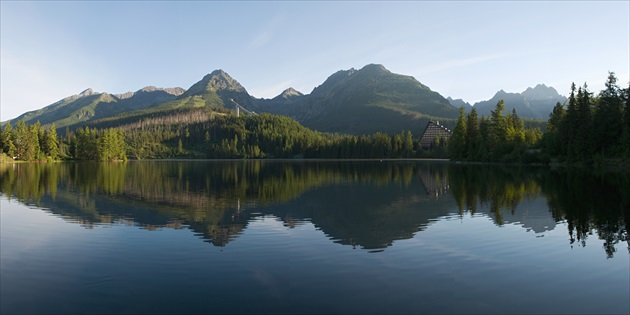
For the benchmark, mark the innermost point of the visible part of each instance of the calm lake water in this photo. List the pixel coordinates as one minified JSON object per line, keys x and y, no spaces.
{"x":312,"y":237}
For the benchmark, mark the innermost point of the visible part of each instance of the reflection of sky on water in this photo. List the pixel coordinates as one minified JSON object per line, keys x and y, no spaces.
{"x":456,"y":263}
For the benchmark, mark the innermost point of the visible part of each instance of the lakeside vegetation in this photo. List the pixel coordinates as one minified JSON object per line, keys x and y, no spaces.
{"x":216,"y":136}
{"x":591,"y":128}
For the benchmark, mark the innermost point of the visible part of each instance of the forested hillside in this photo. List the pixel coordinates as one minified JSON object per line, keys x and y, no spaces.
{"x":195,"y":133}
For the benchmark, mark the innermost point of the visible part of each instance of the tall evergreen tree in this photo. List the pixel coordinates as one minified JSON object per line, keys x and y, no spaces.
{"x":516,"y":127}
{"x":498,"y":123}
{"x":7,"y":139}
{"x":457,"y":143}
{"x":485,"y":143}
{"x":607,"y":127}
{"x":553,"y":142}
{"x":570,"y":124}
{"x":32,"y":151}
{"x":583,"y":148}
{"x":51,"y":142}
{"x":472,"y":135}
{"x":408,"y":145}
{"x":21,"y":139}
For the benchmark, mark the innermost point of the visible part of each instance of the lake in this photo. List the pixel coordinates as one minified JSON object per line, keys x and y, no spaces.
{"x":382,"y":237}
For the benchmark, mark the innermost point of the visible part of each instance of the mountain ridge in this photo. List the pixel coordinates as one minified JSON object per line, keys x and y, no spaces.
{"x":364,"y":101}
{"x":536,"y":102}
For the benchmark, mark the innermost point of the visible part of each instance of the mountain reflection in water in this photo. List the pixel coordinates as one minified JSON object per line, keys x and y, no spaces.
{"x":366,"y":204}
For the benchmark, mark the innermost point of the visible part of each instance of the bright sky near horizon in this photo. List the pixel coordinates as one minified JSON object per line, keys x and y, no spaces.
{"x":462,"y":49}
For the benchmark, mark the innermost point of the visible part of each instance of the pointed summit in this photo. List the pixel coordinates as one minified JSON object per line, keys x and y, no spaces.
{"x":288,"y":94}
{"x":216,"y":81}
{"x":374,"y":69}
{"x":87,"y":92}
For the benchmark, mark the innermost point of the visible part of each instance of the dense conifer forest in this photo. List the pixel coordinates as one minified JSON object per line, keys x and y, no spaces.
{"x":214,"y":136}
{"x":589,"y":128}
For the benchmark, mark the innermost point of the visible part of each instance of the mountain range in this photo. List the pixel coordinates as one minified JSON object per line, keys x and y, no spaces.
{"x":535,"y":102}
{"x":371,"y":99}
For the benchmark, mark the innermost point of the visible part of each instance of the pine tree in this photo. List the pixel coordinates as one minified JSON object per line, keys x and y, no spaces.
{"x":51,"y":142}
{"x":7,"y":139}
{"x":485,"y":143}
{"x":516,"y":127}
{"x":408,"y":145}
{"x":473,"y":137}
{"x":607,"y":127}
{"x":498,"y":132}
{"x":457,"y":143}
{"x":32,"y":151}
{"x":583,"y":139}
{"x":21,"y":139}
{"x":569,"y":125}
{"x":553,"y":143}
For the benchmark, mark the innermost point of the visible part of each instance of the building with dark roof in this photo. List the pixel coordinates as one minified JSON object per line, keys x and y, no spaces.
{"x":433,"y":134}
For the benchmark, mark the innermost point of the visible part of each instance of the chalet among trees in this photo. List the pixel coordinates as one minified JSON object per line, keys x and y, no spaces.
{"x":434,"y":135}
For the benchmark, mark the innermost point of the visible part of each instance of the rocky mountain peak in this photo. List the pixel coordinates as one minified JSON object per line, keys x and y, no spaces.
{"x":290,"y":92}
{"x":220,"y":80}
{"x":149,"y":88}
{"x":458,"y":103}
{"x":541,"y":92}
{"x":87,"y":92}
{"x":173,"y":91}
{"x":217,"y":80}
{"x":374,"y":69}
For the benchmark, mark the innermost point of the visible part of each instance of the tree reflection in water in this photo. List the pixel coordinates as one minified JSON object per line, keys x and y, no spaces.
{"x":590,"y":202}
{"x":369,"y":204}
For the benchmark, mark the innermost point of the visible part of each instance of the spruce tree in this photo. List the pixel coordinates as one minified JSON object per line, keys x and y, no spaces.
{"x":569,"y":125}
{"x":7,"y":139}
{"x":472,"y":136}
{"x":485,"y":143}
{"x":498,"y":132}
{"x":457,"y":143}
{"x":51,"y":142}
{"x":583,"y":139}
{"x":607,"y":127}
{"x":553,"y":143}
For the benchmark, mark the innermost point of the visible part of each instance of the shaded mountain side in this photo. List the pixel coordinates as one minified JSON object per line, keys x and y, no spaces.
{"x":289,"y":94}
{"x":459,"y":103}
{"x":365,"y":101}
{"x":371,"y":119}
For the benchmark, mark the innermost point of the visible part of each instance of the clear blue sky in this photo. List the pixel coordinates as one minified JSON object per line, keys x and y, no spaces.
{"x":462,"y":49}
